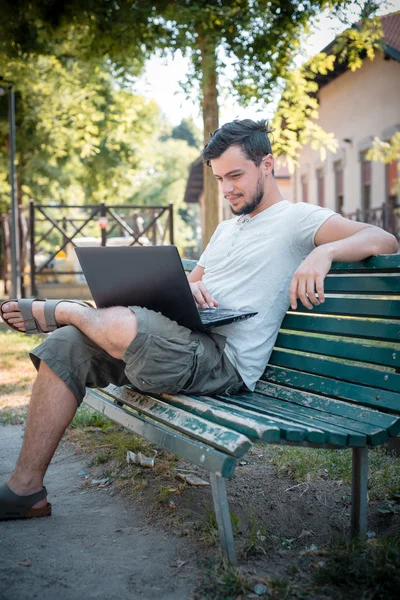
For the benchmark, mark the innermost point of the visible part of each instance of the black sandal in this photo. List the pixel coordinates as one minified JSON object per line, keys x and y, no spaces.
{"x":13,"y":506}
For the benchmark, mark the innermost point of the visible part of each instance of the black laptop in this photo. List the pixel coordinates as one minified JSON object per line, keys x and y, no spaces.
{"x":152,"y":277}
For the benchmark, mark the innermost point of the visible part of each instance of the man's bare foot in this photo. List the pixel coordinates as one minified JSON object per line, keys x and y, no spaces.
{"x":12,"y":314}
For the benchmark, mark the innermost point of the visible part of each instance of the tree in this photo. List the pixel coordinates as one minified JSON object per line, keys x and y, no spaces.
{"x":260,"y":37}
{"x":187,"y":130}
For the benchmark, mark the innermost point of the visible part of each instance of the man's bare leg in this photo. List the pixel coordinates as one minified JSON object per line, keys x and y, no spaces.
{"x":113,"y":329}
{"x":52,"y":404}
{"x":51,"y":410}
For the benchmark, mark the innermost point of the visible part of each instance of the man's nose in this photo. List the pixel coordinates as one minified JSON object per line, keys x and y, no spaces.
{"x":227,"y":187}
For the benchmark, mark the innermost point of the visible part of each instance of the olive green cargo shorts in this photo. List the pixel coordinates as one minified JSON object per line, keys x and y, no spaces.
{"x":163,"y":357}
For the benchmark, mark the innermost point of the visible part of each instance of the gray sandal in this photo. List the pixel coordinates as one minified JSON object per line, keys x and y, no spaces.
{"x":13,"y":506}
{"x":31,"y":324}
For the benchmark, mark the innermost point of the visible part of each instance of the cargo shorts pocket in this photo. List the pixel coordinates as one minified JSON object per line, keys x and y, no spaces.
{"x":163,"y":365}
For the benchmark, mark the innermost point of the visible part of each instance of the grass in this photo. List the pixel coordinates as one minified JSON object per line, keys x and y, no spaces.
{"x":363,"y":570}
{"x":304,"y":464}
{"x":16,"y":375}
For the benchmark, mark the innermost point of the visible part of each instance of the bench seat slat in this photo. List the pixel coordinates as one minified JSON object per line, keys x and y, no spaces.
{"x":365,"y":419}
{"x":359,"y":394}
{"x":361,"y":284}
{"x":289,"y":431}
{"x":363,"y":375}
{"x":334,"y":434}
{"x":161,"y":435}
{"x":357,"y":433}
{"x":346,"y":349}
{"x":378,"y":329}
{"x":367,"y":307}
{"x":218,"y":436}
{"x":244,"y":421}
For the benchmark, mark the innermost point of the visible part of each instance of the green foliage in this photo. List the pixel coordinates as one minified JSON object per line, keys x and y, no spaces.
{"x":295,"y":121}
{"x":308,"y":463}
{"x":369,"y":570}
{"x":188,"y":131}
{"x":387,"y":152}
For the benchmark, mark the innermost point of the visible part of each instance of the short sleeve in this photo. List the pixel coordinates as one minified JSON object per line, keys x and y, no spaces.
{"x":307,"y":219}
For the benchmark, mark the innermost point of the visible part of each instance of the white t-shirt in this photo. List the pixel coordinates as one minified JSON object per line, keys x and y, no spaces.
{"x":249,"y":264}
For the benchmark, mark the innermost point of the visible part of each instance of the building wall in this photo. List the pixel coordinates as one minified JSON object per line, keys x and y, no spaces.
{"x":286,"y":188}
{"x":355,"y":106}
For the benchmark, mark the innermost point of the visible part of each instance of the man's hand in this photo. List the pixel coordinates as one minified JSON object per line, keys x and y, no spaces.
{"x":309,"y":278}
{"x":202,"y":295}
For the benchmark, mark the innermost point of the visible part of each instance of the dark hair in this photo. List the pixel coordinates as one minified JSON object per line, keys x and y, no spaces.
{"x":250,"y":136}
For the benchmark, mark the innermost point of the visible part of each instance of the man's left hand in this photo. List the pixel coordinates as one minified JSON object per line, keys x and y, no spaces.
{"x":309,"y":279}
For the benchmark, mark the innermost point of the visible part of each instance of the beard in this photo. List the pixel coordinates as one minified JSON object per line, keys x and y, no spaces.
{"x":254,"y":202}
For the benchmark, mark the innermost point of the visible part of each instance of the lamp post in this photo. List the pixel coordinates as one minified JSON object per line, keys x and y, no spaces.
{"x":15,"y":248}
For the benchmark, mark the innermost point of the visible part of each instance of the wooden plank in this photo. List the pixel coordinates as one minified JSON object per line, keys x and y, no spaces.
{"x":363,"y":375}
{"x":357,"y":434}
{"x":247,"y":422}
{"x":219,"y":437}
{"x":313,"y":432}
{"x":363,"y":284}
{"x":202,"y":455}
{"x":358,"y":394}
{"x":366,"y":420}
{"x":346,"y":349}
{"x":383,"y":262}
{"x":358,"y":306}
{"x":375,"y":329}
{"x":334,"y":434}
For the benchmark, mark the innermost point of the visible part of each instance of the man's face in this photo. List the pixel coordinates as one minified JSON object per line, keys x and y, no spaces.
{"x":242,"y":182}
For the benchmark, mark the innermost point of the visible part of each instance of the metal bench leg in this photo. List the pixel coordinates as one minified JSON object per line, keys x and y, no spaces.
{"x":359,"y":493}
{"x":221,"y":507}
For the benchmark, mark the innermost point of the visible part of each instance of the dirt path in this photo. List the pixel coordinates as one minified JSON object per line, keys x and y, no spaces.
{"x":94,"y":545}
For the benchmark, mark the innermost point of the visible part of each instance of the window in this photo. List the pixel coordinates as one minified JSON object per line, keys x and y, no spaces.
{"x":391,"y":181}
{"x":339,"y":197}
{"x":320,"y":187}
{"x":304,"y":188}
{"x":366,"y":177}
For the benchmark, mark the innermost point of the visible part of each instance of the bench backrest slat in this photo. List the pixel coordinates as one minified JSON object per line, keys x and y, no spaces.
{"x":373,"y":329}
{"x":353,"y":373}
{"x":380,"y":353}
{"x":363,"y":284}
{"x":333,"y":387}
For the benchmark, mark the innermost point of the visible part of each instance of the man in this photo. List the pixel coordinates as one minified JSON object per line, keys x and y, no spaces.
{"x":272,"y":254}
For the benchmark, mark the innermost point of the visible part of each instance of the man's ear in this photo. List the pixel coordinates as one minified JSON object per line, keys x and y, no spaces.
{"x":268,"y":164}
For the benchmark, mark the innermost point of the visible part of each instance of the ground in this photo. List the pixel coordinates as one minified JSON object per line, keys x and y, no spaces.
{"x":123,"y":531}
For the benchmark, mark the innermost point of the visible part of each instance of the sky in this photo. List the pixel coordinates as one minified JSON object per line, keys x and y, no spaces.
{"x":162,"y":75}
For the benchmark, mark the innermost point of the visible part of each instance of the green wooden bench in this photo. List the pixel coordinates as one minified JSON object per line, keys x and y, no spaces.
{"x":333,"y":381}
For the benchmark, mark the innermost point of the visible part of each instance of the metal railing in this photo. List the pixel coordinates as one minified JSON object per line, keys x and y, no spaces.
{"x":386,"y":216}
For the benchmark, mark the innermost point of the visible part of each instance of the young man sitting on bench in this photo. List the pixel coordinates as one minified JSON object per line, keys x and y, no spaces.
{"x":270,"y":255}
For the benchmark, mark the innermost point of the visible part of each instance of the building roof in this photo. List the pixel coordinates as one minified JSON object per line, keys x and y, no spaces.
{"x":391,"y":47}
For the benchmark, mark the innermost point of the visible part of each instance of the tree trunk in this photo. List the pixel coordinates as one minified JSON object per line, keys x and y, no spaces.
{"x":211,"y":205}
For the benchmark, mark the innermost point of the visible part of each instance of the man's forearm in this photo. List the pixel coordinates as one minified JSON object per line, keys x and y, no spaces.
{"x":367,"y":242}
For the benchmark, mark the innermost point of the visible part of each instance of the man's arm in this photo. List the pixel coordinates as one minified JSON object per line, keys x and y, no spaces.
{"x":199,"y":290}
{"x":338,"y":239}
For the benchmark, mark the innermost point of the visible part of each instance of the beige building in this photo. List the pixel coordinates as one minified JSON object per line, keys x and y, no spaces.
{"x":356,"y":107}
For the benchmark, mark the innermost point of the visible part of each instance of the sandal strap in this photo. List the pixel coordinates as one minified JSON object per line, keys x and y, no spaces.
{"x":49,"y":312}
{"x":18,"y":505}
{"x":31,"y":324}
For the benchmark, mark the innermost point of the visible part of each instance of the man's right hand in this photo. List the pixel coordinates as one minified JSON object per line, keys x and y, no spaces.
{"x":202,"y":295}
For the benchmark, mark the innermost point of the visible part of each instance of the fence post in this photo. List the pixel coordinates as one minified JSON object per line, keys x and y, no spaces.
{"x":103,"y":213}
{"x":32,"y":240}
{"x":171,"y":223}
